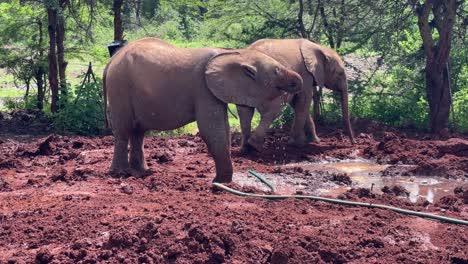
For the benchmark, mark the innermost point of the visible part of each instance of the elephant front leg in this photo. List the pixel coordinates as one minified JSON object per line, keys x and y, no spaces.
{"x":267,"y":116}
{"x":245,"y":118}
{"x":213,"y":125}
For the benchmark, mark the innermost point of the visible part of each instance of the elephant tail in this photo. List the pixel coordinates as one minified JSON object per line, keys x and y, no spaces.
{"x":104,"y":97}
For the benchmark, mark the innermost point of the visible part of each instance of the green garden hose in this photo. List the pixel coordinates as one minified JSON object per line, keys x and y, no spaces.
{"x":262,"y":179}
{"x":336,"y":201}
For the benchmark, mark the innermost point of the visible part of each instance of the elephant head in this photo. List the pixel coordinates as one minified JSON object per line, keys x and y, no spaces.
{"x":328,"y":70}
{"x":250,"y":78}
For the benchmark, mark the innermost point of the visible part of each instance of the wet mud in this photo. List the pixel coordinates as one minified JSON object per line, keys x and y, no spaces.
{"x":58,"y":204}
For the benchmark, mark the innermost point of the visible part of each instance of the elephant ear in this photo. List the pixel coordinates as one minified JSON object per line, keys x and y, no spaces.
{"x":233,"y":80}
{"x":314,"y":60}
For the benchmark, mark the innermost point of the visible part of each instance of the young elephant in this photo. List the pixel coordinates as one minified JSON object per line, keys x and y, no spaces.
{"x":153,"y":85}
{"x":318,"y":66}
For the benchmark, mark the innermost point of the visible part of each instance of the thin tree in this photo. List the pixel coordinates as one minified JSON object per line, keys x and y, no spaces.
{"x":60,"y":39}
{"x":118,"y":24}
{"x":53,"y":69}
{"x":436,"y":51}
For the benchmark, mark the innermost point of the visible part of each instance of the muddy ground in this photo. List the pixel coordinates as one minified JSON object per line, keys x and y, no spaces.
{"x":58,"y":204}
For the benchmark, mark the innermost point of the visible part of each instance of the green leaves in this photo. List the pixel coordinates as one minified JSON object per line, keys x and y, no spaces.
{"x":81,"y":111}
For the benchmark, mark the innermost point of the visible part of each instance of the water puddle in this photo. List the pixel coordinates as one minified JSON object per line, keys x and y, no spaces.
{"x":285,"y":186}
{"x":363,"y":173}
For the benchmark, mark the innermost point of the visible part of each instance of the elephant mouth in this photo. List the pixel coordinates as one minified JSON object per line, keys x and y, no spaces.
{"x":290,"y":88}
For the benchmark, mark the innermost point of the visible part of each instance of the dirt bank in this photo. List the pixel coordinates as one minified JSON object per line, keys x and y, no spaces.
{"x":59,"y":205}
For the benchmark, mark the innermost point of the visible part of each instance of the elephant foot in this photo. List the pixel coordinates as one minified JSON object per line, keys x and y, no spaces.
{"x":246,"y":149}
{"x":255,"y":143}
{"x":223,"y":179}
{"x":139,"y":167}
{"x":297,"y":140}
{"x":141,"y":173}
{"x":128,"y":172}
{"x":296,"y":143}
{"x":312,"y":138}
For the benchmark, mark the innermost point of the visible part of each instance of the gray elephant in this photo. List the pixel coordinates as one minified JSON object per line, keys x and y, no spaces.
{"x":152,"y":85}
{"x":318,"y":66}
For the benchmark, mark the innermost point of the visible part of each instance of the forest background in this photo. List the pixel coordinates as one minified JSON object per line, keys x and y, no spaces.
{"x":407,"y":61}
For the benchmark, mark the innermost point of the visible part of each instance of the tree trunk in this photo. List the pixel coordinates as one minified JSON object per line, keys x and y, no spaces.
{"x":138,"y":12}
{"x":118,"y":24}
{"x":53,"y":79}
{"x":328,"y":29}
{"x":437,"y":55}
{"x":39,"y":70}
{"x":40,"y":87}
{"x":340,"y":31}
{"x":28,"y":84}
{"x":438,"y":97}
{"x":300,"y":20}
{"x":62,"y":64}
{"x":186,"y":28}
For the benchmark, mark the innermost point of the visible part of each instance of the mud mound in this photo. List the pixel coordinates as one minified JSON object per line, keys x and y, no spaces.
{"x":396,"y":190}
{"x":4,"y":186}
{"x":62,"y":206}
{"x":431,"y":157}
{"x":357,"y":193}
{"x":25,"y":122}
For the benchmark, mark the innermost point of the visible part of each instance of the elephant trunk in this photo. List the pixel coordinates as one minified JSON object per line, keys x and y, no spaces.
{"x":291,"y":82}
{"x":345,"y":112}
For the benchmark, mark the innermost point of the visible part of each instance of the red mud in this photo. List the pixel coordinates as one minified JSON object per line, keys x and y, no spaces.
{"x":59,"y":205}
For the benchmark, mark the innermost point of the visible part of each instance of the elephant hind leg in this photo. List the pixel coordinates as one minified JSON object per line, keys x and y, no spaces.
{"x":311,"y":134}
{"x":137,"y":157}
{"x":300,"y":132}
{"x":120,"y":160}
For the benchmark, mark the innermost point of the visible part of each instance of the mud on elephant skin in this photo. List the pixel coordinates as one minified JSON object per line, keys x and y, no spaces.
{"x":318,"y":66}
{"x":152,"y":85}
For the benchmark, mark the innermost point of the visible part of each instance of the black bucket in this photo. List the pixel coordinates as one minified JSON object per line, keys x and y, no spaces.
{"x":115,"y":46}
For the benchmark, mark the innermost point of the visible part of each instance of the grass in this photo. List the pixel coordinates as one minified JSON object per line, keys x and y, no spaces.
{"x":10,"y":92}
{"x":192,"y":128}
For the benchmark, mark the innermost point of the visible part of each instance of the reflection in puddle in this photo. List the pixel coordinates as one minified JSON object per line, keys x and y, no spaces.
{"x":363,"y":174}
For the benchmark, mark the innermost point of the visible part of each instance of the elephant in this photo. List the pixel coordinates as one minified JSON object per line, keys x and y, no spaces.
{"x":152,"y":85}
{"x":318,"y":66}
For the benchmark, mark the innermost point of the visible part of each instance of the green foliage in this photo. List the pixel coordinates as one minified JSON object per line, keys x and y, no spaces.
{"x":14,"y":103}
{"x":20,"y":47}
{"x":286,"y":116}
{"x":395,"y":94}
{"x":81,"y":112}
{"x":395,"y":97}
{"x":460,"y":105}
{"x":331,"y":109}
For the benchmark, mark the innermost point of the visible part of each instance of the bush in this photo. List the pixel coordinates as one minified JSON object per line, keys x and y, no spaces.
{"x":81,"y":111}
{"x":15,"y":103}
{"x":460,"y":105}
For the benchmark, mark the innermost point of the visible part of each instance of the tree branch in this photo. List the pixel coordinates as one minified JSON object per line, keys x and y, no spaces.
{"x":424,"y":29}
